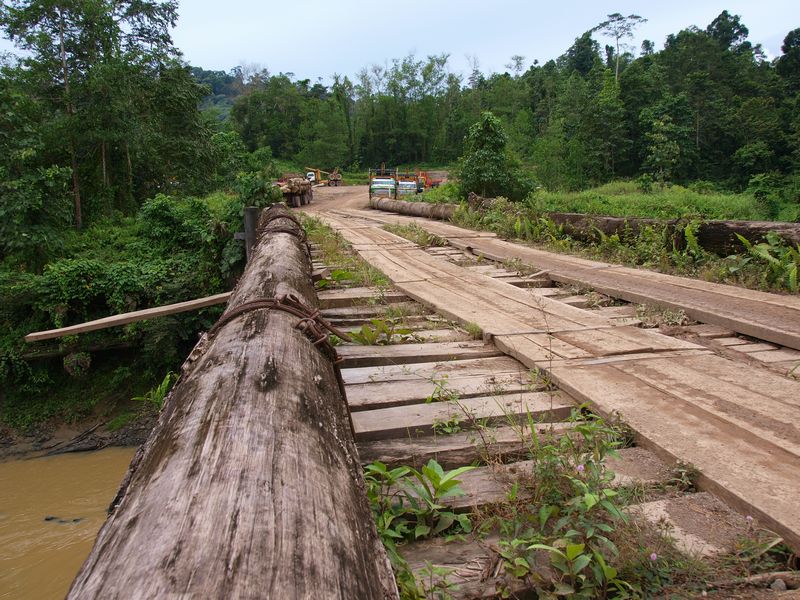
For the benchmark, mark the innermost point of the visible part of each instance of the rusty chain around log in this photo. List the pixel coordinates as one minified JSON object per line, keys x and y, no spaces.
{"x":311,"y":323}
{"x":300,"y":232}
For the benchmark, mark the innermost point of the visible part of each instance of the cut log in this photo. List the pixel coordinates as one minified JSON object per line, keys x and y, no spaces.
{"x":250,"y":485}
{"x":415,"y":209}
{"x":714,"y":236}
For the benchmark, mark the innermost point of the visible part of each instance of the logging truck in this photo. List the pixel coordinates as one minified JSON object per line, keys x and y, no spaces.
{"x":383,"y":182}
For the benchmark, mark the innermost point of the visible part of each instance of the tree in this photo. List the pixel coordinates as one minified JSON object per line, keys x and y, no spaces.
{"x":121,"y":110}
{"x":487,"y":168}
{"x":619,"y":27}
{"x":788,"y":65}
{"x":663,"y":151}
{"x":728,"y":30}
{"x":582,"y":55}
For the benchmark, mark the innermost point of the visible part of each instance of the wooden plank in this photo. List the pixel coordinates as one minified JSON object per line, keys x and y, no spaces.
{"x":401,"y":354}
{"x":732,"y":341}
{"x":626,"y":310}
{"x":754,"y":476}
{"x":419,"y":419}
{"x":486,"y":367}
{"x":131,"y":317}
{"x":777,"y":356}
{"x":771,"y":317}
{"x":527,"y":282}
{"x":769,"y":418}
{"x":371,"y":310}
{"x":750,"y":347}
{"x":494,"y":444}
{"x":358,"y":295}
{"x":365,"y":396}
{"x":708,"y":331}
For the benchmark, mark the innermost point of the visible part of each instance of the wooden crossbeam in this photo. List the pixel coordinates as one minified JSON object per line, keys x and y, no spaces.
{"x":130,"y":317}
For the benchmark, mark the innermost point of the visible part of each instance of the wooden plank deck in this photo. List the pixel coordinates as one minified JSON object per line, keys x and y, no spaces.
{"x":735,"y":425}
{"x":771,"y":317}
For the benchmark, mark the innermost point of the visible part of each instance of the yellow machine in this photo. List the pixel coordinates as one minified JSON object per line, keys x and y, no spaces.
{"x":334,"y":177}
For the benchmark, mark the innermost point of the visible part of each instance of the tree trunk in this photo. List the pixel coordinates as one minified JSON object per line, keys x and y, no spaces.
{"x":249,"y":486}
{"x":414,"y":209}
{"x":130,"y":169}
{"x":103,"y":159}
{"x":76,"y":190}
{"x":718,"y":237}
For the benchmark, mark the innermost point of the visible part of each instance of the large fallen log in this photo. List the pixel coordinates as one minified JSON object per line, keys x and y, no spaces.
{"x":714,"y":236}
{"x":414,"y":209}
{"x":250,"y":485}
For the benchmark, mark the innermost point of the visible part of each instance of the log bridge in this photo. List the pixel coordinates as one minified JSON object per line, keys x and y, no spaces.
{"x":250,"y":485}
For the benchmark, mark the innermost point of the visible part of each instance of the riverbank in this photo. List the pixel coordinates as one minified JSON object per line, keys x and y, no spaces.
{"x":56,"y":438}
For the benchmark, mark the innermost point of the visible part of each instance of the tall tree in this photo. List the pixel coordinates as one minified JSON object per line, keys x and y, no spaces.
{"x":101,"y":65}
{"x":618,"y":27}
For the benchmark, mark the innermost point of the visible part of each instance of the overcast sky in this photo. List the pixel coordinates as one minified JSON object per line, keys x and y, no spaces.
{"x":314,"y":38}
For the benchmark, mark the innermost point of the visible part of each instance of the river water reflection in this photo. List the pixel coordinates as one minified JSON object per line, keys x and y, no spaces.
{"x":50,"y":512}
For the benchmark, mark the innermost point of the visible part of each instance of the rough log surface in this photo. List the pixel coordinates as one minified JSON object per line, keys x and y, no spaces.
{"x":414,"y":209}
{"x":249,"y":486}
{"x":713,"y":235}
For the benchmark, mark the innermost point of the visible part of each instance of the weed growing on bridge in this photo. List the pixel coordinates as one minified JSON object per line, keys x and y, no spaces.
{"x":382,"y":333}
{"x":416,"y":234}
{"x":408,"y":504}
{"x":335,"y":251}
{"x":556,"y":533}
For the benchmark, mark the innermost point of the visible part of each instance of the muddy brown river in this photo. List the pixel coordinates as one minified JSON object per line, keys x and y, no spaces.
{"x":50,"y":512}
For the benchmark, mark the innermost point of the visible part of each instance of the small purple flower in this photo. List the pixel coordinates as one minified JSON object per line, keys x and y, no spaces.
{"x":749,"y":519}
{"x":654,"y":557}
{"x":581,"y":468}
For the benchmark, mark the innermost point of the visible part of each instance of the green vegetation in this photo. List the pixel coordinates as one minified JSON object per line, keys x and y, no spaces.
{"x":416,"y":234}
{"x":382,"y":333}
{"x":771,"y":265}
{"x":337,"y":252}
{"x":565,"y":528}
{"x":171,"y":250}
{"x":408,"y":505}
{"x":708,"y":107}
{"x":123,"y":171}
{"x":488,"y":168}
{"x":626,"y":199}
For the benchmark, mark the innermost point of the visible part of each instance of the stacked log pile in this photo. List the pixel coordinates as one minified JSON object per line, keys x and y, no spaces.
{"x":296,"y":191}
{"x":296,"y":185}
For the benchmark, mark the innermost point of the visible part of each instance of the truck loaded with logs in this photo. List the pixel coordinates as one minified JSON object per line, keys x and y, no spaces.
{"x":296,"y":190}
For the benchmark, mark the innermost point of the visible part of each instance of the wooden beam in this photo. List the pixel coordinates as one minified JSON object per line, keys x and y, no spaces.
{"x":130,"y":317}
{"x":250,"y":485}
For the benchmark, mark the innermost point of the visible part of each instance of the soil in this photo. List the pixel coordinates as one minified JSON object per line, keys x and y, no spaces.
{"x":88,"y":435}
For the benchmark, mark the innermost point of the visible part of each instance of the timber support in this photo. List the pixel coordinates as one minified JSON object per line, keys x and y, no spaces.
{"x":250,"y":485}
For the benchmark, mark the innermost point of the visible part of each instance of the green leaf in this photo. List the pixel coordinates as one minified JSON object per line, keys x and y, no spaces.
{"x":563,"y":589}
{"x":573,"y":550}
{"x":581,"y":563}
{"x":421,"y":531}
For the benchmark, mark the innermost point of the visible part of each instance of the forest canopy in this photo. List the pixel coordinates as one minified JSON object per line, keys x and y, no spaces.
{"x":708,"y":106}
